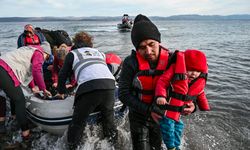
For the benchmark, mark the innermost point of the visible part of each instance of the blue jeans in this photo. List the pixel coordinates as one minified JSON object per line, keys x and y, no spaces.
{"x":171,"y":132}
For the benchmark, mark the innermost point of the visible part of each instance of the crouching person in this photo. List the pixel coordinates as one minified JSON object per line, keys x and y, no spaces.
{"x":94,"y":81}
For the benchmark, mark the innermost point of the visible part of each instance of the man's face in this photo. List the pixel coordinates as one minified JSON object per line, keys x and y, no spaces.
{"x":149,"y":49}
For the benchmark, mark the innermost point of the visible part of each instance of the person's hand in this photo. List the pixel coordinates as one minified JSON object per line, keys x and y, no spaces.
{"x":69,"y":86}
{"x":156,"y":117}
{"x":35,"y":90}
{"x":46,"y":93}
{"x":54,"y":85}
{"x":161,"y":101}
{"x":59,"y":96}
{"x":156,"y":109}
{"x":50,"y":67}
{"x":188,"y":109}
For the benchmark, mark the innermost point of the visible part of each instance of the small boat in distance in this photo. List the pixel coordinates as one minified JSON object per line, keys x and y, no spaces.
{"x":126,"y":24}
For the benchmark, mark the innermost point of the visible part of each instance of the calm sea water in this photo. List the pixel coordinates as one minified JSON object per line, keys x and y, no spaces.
{"x":227,"y":46}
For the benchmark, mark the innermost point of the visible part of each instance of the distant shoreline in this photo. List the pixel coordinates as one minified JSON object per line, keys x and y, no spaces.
{"x":118,"y":18}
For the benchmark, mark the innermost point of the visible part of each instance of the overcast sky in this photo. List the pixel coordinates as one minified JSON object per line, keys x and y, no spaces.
{"x":84,"y":8}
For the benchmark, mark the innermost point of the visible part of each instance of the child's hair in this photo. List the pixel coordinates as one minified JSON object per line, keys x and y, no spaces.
{"x":61,"y":52}
{"x":82,"y":39}
{"x":196,"y":60}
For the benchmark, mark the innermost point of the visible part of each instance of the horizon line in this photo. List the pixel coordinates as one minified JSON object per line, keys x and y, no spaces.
{"x":114,"y":16}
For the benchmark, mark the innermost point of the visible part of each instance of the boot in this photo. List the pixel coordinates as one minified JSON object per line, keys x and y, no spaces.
{"x":2,"y":127}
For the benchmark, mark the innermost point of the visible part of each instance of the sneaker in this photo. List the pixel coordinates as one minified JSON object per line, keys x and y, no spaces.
{"x":2,"y":127}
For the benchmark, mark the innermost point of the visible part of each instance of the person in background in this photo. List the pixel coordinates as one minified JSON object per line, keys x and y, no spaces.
{"x":18,"y":68}
{"x":30,"y":37}
{"x":182,"y":83}
{"x":94,"y":81}
{"x":139,"y":74}
{"x":59,"y":57}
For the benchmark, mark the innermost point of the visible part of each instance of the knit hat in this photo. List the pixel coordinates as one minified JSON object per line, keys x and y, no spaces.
{"x":46,"y":47}
{"x":27,"y":26}
{"x":144,"y":29}
{"x":196,"y":60}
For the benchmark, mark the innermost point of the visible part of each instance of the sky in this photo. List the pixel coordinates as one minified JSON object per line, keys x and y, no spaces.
{"x":87,"y":8}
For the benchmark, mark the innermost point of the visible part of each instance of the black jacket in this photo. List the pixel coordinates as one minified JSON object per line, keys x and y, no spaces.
{"x":126,"y":92}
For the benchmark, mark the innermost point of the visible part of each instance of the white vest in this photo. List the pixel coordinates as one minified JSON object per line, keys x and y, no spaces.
{"x":89,"y":64}
{"x":19,"y":61}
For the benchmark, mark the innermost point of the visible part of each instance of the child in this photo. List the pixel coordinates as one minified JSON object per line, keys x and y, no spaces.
{"x":182,"y":83}
{"x":59,"y":56}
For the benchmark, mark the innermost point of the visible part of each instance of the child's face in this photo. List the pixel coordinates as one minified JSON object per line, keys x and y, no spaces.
{"x":193,"y":74}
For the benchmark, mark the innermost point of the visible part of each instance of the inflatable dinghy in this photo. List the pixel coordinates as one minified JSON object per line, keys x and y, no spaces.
{"x":54,"y":116}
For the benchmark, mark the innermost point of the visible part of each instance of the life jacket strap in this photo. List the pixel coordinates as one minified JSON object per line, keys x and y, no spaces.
{"x":145,"y":92}
{"x":203,"y":75}
{"x":182,"y":97}
{"x":172,"y":108}
{"x":150,"y":72}
{"x":179,"y":76}
{"x":117,"y":71}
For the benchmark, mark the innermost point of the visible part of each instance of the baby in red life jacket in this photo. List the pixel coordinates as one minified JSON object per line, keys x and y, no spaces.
{"x":182,"y":83}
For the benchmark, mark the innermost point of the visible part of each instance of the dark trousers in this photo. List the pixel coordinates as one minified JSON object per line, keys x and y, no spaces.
{"x":3,"y":107}
{"x":85,"y":104}
{"x":16,"y":96}
{"x":146,"y":134}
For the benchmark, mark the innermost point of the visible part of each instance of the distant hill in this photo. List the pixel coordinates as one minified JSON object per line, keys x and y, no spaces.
{"x":117,"y":18}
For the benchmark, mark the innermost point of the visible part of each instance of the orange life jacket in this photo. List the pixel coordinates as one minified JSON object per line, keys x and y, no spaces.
{"x":146,"y":78}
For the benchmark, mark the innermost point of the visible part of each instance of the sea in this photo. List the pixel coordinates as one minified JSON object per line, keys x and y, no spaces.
{"x":227,"y":46}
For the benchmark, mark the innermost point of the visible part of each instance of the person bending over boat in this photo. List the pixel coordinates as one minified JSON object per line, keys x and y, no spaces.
{"x":95,"y":88}
{"x":33,"y":36}
{"x":140,"y":72}
{"x":18,"y":68}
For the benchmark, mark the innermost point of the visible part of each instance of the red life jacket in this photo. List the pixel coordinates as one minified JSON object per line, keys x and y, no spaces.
{"x":114,"y":64}
{"x":179,"y":85}
{"x":32,"y":40}
{"x":145,"y":80}
{"x":112,"y":58}
{"x":182,"y":92}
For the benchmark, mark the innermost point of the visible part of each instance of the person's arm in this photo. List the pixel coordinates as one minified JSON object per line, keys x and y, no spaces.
{"x":163,"y":82}
{"x":203,"y":102}
{"x":125,"y":87}
{"x":55,"y":71}
{"x":65,"y":72}
{"x":73,"y":81}
{"x":37,"y":62}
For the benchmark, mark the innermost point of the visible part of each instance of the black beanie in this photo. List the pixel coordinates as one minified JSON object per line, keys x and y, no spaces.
{"x":144,"y":29}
